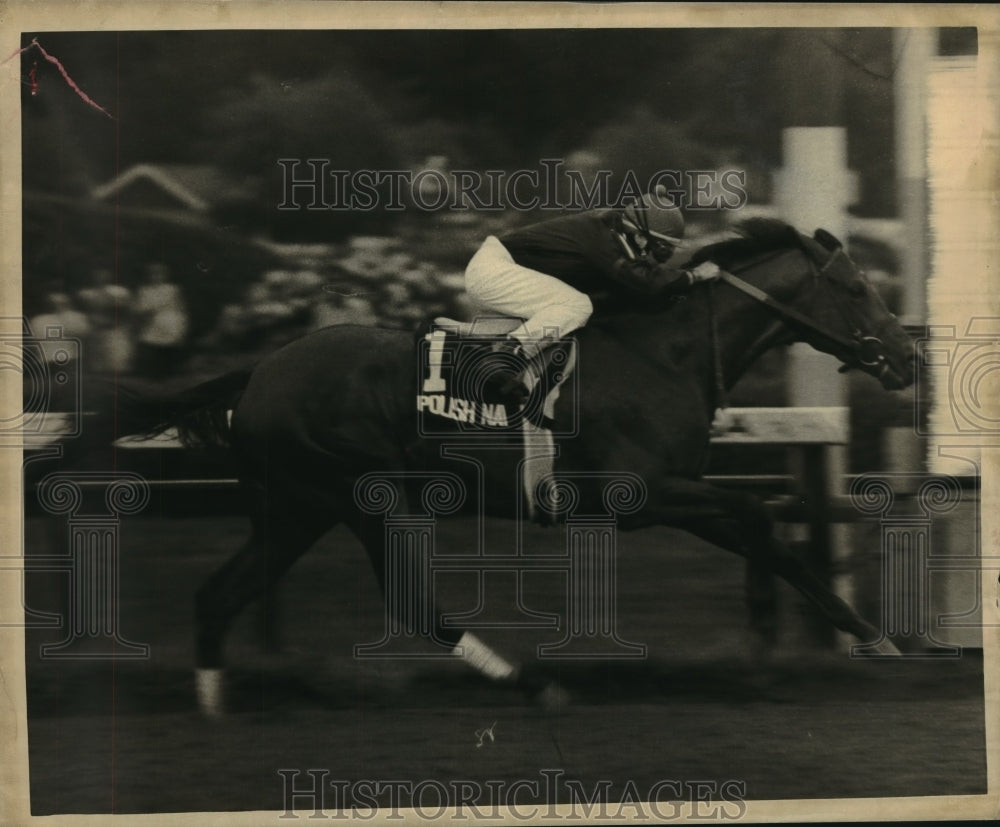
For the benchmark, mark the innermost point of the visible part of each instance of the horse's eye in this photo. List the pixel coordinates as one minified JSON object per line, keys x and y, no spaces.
{"x":857,"y":288}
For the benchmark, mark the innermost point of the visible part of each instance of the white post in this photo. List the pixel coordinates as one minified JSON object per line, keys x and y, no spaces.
{"x":813,"y":189}
{"x":913,"y":49}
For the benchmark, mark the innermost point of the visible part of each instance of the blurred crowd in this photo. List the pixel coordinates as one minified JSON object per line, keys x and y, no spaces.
{"x":374,"y":282}
{"x":150,"y":324}
{"x":147,"y":330}
{"x":120,"y":329}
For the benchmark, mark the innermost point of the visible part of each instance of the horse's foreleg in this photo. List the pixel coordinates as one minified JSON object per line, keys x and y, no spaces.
{"x":787,"y":566}
{"x":217,"y":602}
{"x":769,"y":553}
{"x":739,"y":523}
{"x":746,"y":538}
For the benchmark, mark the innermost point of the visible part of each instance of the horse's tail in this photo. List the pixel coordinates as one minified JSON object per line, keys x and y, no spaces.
{"x":200,"y":413}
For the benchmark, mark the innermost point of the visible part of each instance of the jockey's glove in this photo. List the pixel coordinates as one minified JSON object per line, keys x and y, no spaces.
{"x":706,"y":271}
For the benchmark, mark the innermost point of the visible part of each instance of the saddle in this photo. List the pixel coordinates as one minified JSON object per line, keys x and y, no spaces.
{"x":450,"y":399}
{"x":488,"y":327}
{"x":452,"y":386}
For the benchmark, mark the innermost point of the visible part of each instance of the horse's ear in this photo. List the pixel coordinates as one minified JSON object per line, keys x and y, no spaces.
{"x":827,"y":239}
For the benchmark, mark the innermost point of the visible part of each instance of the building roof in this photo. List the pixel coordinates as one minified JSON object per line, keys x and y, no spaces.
{"x":196,"y":187}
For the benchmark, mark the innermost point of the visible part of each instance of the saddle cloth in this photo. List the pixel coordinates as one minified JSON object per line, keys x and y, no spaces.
{"x":452,"y":401}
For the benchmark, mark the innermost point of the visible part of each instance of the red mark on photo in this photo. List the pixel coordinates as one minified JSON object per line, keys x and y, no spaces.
{"x":33,"y":75}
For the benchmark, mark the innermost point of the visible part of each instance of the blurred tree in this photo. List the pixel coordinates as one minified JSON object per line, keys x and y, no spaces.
{"x":332,"y":117}
{"x":489,"y":98}
{"x":642,"y":143}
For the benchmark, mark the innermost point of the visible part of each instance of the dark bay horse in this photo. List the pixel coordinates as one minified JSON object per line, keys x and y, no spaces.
{"x":318,"y":415}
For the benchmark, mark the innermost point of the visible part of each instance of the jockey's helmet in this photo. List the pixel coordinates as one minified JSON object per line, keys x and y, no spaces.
{"x":657,"y":222}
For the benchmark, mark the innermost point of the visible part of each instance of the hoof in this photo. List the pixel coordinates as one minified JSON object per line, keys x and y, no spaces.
{"x":553,"y":698}
{"x":761,"y":651}
{"x":209,"y":689}
{"x":541,"y":690}
{"x":886,"y":648}
{"x":882,"y":648}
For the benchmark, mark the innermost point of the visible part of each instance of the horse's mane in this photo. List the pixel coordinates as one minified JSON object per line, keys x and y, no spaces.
{"x":756,"y":236}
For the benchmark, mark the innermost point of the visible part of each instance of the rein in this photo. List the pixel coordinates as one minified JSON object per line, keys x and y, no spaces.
{"x":721,"y":398}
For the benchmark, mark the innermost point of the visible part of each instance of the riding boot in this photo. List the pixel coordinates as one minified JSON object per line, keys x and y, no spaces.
{"x":503,"y":369}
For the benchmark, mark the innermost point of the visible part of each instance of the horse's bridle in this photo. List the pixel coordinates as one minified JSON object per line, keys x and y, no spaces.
{"x":867,"y":350}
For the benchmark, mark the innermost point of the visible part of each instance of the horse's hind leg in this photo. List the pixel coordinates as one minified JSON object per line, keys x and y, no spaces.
{"x":278,"y":539}
{"x":409,"y":600}
{"x":744,"y":530}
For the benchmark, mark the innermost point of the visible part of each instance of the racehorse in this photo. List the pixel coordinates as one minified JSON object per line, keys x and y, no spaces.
{"x":318,"y":415}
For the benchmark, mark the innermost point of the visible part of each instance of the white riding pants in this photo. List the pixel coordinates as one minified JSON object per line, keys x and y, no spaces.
{"x":550,"y":307}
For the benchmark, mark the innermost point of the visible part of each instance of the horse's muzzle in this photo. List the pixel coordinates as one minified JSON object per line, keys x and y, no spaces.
{"x":893,"y":379}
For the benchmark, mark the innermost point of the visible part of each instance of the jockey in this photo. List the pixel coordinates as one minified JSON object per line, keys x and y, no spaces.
{"x":546,"y":273}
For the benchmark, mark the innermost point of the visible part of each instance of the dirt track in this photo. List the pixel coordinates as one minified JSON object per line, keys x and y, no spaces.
{"x":124,"y":736}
